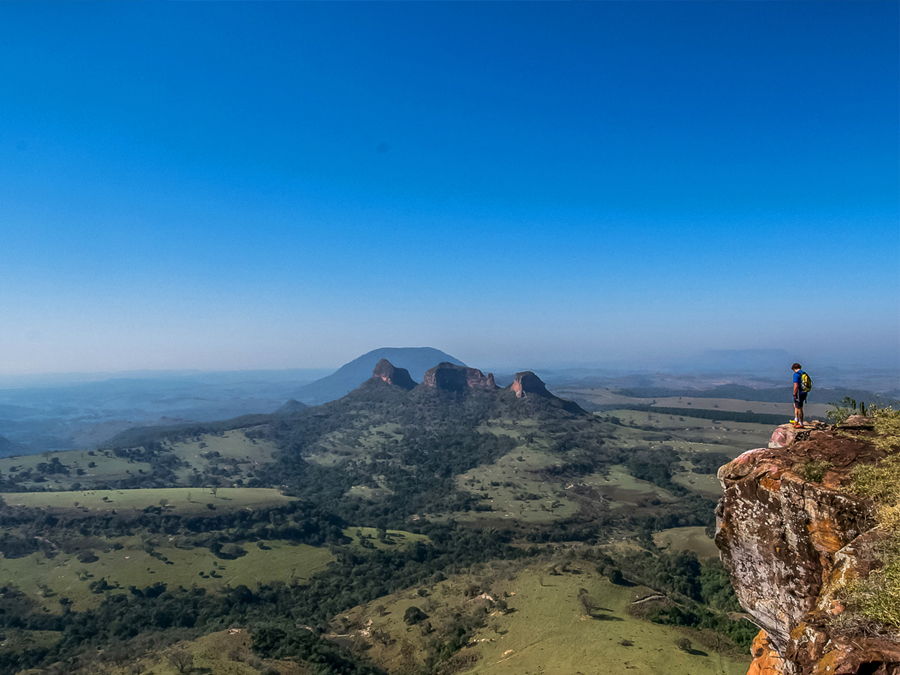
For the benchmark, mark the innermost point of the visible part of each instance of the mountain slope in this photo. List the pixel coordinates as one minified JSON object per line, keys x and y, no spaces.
{"x":7,"y":447}
{"x":349,"y":376}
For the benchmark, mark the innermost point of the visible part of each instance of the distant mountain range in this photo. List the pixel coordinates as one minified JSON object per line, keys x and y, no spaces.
{"x":416,"y":360}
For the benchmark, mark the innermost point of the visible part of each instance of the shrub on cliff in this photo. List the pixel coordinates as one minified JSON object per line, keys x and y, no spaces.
{"x":814,"y":471}
{"x":878,"y":596}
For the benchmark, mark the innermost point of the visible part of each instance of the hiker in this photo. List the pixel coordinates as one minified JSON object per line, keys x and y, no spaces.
{"x":800,"y":393}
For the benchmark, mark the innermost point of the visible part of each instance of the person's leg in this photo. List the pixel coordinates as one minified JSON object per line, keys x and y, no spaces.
{"x":800,"y":411}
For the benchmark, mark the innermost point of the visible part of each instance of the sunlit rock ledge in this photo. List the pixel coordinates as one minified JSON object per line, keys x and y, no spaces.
{"x":791,"y":543}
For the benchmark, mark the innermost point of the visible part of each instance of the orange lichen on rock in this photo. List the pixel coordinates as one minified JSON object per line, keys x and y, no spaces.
{"x":766,"y":661}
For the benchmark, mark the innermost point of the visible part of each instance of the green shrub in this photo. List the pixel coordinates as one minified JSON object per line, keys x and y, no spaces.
{"x":813,"y":471}
{"x":878,"y":596}
{"x":413,"y":615}
{"x":843,"y":409}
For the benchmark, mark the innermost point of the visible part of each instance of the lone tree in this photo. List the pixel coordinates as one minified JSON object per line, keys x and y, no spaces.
{"x":684,"y":645}
{"x":587,"y":602}
{"x":181,"y":660}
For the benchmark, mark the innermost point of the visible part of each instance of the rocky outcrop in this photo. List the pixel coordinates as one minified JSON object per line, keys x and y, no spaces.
{"x":387,"y":372}
{"x":450,"y":377}
{"x":792,"y":535}
{"x":528,"y":385}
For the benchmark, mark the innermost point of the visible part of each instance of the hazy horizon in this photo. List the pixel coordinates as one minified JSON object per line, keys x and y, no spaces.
{"x":229,"y":186}
{"x":721,"y":362}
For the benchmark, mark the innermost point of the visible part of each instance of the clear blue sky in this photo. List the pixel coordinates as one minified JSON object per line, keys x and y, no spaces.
{"x":240,"y":185}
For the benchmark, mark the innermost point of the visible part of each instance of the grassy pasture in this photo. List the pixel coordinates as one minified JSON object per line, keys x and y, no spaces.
{"x":692,"y":433}
{"x":607,"y":397}
{"x":514,"y":489}
{"x":548,"y":632}
{"x":339,"y":446}
{"x":49,"y":579}
{"x":622,"y":490}
{"x":395,"y":538}
{"x":107,"y":467}
{"x":692,"y":539}
{"x":177,"y":500}
{"x":233,"y":448}
{"x":704,"y":484}
{"x":737,"y":405}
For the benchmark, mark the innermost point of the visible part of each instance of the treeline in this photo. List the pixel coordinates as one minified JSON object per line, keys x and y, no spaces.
{"x":720,"y":415}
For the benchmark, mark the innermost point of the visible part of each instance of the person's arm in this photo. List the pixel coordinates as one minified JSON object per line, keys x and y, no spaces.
{"x":796,"y":386}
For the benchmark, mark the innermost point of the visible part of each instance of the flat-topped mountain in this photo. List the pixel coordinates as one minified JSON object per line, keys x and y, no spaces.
{"x":451,"y":377}
{"x":415,"y":360}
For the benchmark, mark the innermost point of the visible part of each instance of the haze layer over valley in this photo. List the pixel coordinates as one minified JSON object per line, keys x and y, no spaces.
{"x":449,"y":338}
{"x":60,"y":413}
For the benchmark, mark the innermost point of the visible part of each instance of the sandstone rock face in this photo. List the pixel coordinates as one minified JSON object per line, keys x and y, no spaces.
{"x":791,"y":543}
{"x":450,"y":377}
{"x":529,"y":383}
{"x":399,"y":377}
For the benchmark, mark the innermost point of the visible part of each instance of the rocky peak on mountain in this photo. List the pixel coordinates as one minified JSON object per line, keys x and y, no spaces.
{"x":399,"y":377}
{"x":529,"y":383}
{"x":450,"y":377}
{"x":791,"y":544}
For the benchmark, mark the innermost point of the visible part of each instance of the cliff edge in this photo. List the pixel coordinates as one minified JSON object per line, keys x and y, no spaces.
{"x":792,"y":535}
{"x":450,"y":377}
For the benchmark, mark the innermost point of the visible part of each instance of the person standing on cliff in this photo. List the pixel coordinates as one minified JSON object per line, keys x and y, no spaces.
{"x":799,"y":396}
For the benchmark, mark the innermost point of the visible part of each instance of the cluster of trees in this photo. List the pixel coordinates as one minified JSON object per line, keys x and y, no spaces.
{"x":298,"y":521}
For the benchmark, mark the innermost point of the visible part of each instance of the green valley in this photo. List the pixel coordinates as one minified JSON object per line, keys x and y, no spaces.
{"x":340,"y":518}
